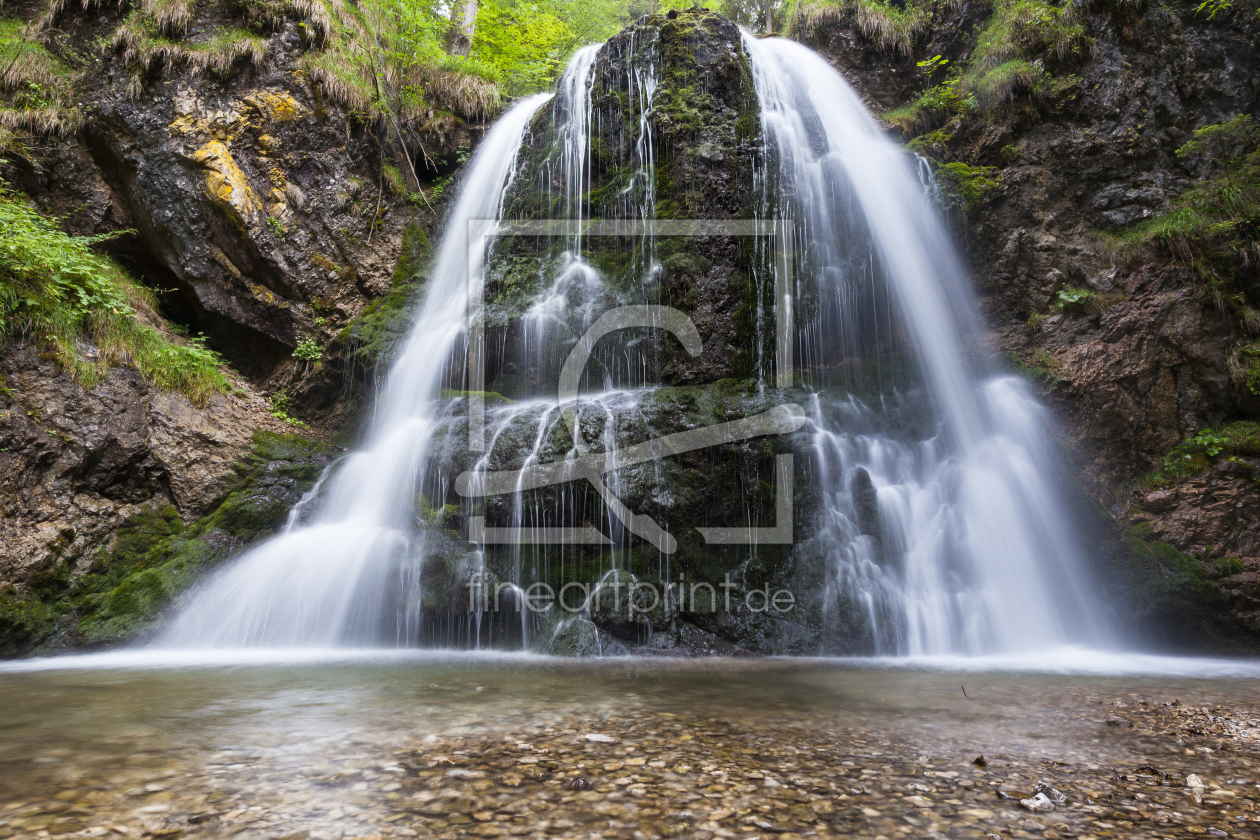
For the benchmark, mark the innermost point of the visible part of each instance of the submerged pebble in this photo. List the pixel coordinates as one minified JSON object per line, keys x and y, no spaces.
{"x":681,"y":769}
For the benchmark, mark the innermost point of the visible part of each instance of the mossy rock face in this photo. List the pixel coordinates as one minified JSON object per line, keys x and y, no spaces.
{"x":674,"y":134}
{"x":730,"y":485}
{"x":121,"y":592}
{"x":1178,"y":600}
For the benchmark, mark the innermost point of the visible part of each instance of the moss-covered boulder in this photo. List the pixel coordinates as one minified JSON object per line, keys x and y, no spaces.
{"x":673,"y":133}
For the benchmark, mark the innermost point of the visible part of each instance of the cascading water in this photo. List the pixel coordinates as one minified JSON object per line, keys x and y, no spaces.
{"x":350,"y":575}
{"x":940,"y":529}
{"x":978,"y":553}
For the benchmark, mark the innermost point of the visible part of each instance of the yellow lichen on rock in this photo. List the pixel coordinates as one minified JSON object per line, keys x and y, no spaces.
{"x":224,"y":126}
{"x":227,"y":185}
{"x":275,"y":106}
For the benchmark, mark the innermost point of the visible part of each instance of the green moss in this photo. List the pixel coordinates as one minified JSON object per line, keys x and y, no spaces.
{"x":24,"y":622}
{"x":964,"y":186}
{"x":1161,"y":579}
{"x":1195,"y":455}
{"x":122,"y":590}
{"x":380,"y":328}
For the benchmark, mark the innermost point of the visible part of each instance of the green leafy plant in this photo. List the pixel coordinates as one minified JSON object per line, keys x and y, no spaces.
{"x":56,"y":290}
{"x":1080,"y":300}
{"x":1212,"y":8}
{"x":308,"y":350}
{"x":280,"y":405}
{"x":930,"y":65}
{"x":276,"y":228}
{"x":1195,"y":454}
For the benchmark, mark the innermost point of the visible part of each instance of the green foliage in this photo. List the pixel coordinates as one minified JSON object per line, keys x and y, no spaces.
{"x":964,"y":185}
{"x":1214,"y":225}
{"x":1195,"y":455}
{"x":1212,"y":8}
{"x":277,"y":229}
{"x":1244,"y":365}
{"x":280,"y":405}
{"x":1076,"y":299}
{"x":37,"y":91}
{"x":55,"y":289}
{"x":933,"y":107}
{"x":929,"y":66}
{"x":308,"y":350}
{"x":524,"y":42}
{"x":1009,"y":63}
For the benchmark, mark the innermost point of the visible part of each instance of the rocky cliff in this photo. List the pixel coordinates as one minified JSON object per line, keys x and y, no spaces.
{"x":264,"y":206}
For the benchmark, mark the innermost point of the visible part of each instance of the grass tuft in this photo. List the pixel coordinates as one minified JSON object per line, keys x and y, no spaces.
{"x":145,"y":45}
{"x":893,"y":28}
{"x":1008,"y":65}
{"x":36,"y":89}
{"x":55,"y":289}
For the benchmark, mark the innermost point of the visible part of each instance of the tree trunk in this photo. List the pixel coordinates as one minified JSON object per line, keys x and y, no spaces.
{"x":770,"y":18}
{"x":464,"y":22}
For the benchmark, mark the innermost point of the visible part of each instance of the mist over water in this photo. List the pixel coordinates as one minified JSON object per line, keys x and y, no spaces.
{"x":973,"y":551}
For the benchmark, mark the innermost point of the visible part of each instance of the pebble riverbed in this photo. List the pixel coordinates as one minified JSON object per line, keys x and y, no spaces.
{"x":497,"y":749}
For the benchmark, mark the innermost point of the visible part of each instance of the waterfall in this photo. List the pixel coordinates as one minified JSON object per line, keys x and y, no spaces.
{"x":349,"y":575}
{"x":941,"y":528}
{"x":973,"y":550}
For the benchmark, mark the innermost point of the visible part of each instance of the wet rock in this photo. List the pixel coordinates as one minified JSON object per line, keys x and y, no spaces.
{"x":570,"y":637}
{"x":1055,"y":796}
{"x":1160,"y":500}
{"x":1039,"y":802}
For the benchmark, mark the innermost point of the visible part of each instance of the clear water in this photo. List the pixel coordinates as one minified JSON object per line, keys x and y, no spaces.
{"x":351,"y":742}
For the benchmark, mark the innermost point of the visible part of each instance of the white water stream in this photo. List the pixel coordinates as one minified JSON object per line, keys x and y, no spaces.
{"x":975,"y":551}
{"x":330,"y":581}
{"x":979,"y":553}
